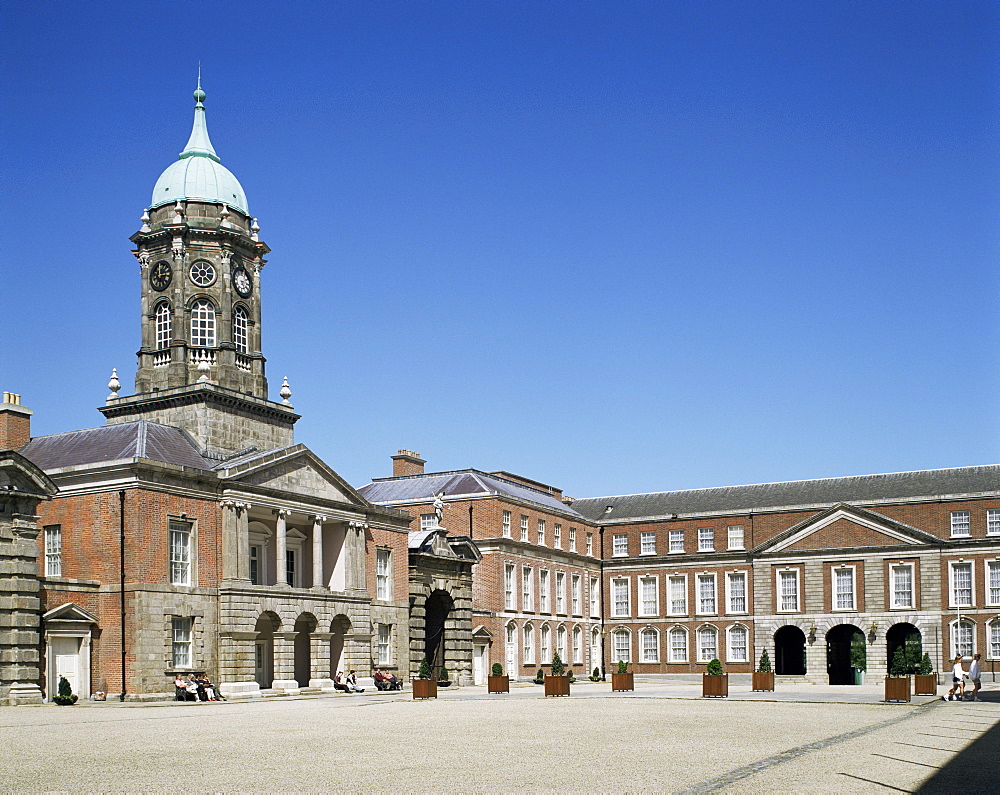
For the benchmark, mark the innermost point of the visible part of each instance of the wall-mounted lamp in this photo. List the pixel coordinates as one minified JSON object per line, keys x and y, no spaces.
{"x":812,"y":632}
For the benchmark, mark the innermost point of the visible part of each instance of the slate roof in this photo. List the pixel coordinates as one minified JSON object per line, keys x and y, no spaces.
{"x":140,"y":439}
{"x":465,"y":482}
{"x":796,"y":493}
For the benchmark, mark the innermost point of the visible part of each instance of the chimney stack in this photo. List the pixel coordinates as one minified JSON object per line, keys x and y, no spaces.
{"x":15,"y":423}
{"x":407,"y":462}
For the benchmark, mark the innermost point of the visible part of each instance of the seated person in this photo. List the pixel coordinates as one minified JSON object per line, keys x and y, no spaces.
{"x":191,"y":686}
{"x":206,"y":690}
{"x":339,"y":683}
{"x":352,"y":683}
{"x":392,"y":682}
{"x":180,"y":688}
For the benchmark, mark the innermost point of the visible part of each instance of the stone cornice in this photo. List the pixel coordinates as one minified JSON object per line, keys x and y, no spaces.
{"x":190,"y":394}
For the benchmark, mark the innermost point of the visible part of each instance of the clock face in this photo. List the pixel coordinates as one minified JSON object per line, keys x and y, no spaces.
{"x":242,"y":282}
{"x":202,"y":273}
{"x":160,"y":275}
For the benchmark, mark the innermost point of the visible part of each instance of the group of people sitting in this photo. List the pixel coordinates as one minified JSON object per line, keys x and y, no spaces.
{"x":383,"y":681}
{"x":386,"y":681}
{"x":196,"y":687}
{"x":348,"y":684}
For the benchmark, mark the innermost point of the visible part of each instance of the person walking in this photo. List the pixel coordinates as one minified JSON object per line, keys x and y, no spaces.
{"x":957,"y":680}
{"x":975,"y":674}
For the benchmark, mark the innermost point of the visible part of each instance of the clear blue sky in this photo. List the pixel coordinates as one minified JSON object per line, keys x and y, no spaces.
{"x":613,"y":246}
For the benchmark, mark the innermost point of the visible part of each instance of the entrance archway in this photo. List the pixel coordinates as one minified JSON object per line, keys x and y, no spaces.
{"x":339,"y":628}
{"x":789,"y":652}
{"x":907,"y":636}
{"x":266,"y":626}
{"x":305,"y":625}
{"x":436,"y":610}
{"x":845,"y":650}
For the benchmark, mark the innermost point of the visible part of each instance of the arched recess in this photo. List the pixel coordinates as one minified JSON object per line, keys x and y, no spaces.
{"x":436,"y":610}
{"x":845,"y":648}
{"x":305,"y":625}
{"x":909,"y":638}
{"x":340,"y":627}
{"x":789,"y":652}
{"x":267,"y":624}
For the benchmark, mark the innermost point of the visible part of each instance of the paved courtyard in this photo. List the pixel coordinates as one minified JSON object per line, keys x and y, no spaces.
{"x":657,"y":739}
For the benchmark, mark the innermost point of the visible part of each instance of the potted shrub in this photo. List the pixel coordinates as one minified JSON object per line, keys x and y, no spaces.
{"x":497,"y":682}
{"x":859,"y":658}
{"x":443,"y":678}
{"x":715,"y":681}
{"x":763,"y":677}
{"x":623,"y":680}
{"x":925,"y":680}
{"x":596,"y":676}
{"x":65,"y":698}
{"x":424,"y":686}
{"x":897,"y":683}
{"x":557,"y":683}
{"x":572,"y":676}
{"x":539,"y":677}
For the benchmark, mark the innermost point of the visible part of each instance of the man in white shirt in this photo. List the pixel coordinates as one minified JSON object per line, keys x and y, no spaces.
{"x":974,"y":675}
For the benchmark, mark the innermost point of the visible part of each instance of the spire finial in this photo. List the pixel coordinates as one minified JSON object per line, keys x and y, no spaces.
{"x":199,"y":95}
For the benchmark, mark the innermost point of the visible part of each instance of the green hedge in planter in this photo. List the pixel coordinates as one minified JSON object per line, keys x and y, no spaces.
{"x":497,"y":669}
{"x":65,"y":697}
{"x":715,"y":667}
{"x":764,"y":666}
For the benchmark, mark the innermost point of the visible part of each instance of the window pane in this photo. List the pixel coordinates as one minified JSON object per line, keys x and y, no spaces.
{"x":707,"y":646}
{"x":902,"y":586}
{"x":961,"y":593}
{"x":845,"y":589}
{"x":678,"y":645}
{"x":737,"y":593}
{"x":961,"y":523}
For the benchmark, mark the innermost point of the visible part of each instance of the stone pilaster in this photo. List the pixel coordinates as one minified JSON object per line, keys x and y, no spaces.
{"x":319,"y":657}
{"x":280,"y":545}
{"x":284,"y":663}
{"x":317,"y":550}
{"x":235,"y":541}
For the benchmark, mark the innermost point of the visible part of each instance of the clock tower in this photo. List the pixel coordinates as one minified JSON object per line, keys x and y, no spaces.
{"x":200,"y":365}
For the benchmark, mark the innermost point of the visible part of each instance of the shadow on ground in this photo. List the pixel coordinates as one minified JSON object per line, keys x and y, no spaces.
{"x":972,"y":770}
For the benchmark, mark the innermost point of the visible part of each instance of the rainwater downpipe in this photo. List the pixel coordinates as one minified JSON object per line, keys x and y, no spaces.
{"x":121,"y":580}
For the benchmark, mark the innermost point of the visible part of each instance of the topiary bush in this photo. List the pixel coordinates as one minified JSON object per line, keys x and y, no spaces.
{"x":764,"y":666}
{"x":596,"y":676}
{"x":539,"y":677}
{"x":899,"y":666}
{"x":558,"y":667}
{"x":443,"y":676}
{"x":497,"y":669}
{"x":926,"y":666}
{"x":859,"y":652}
{"x":65,"y":697}
{"x":714,"y":667}
{"x":572,"y":676}
{"x":622,"y":667}
{"x":425,"y":669}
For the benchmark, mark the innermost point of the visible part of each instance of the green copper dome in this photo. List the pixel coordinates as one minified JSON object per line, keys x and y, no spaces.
{"x":198,"y":175}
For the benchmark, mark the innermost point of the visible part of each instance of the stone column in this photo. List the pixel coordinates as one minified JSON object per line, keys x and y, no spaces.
{"x":319,"y":656}
{"x":284,"y":663}
{"x":317,"y":538}
{"x":354,"y":549}
{"x":235,"y":541}
{"x":280,"y":570}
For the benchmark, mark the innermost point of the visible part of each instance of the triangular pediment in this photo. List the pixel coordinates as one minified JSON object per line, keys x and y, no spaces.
{"x":846,"y":527}
{"x":69,"y":612}
{"x":295,"y":471}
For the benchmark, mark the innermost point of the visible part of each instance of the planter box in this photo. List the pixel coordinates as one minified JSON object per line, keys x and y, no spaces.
{"x":763,"y":680}
{"x":425,"y":688}
{"x":557,"y":685}
{"x":897,"y":688}
{"x":622,"y":682}
{"x":497,"y":684}
{"x":715,"y":685}
{"x":925,"y":684}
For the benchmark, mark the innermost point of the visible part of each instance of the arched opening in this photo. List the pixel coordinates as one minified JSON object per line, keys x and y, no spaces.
{"x":436,"y":610}
{"x":846,"y":653}
{"x":305,"y":625}
{"x":266,"y":626}
{"x":789,"y":652}
{"x":339,"y":628}
{"x":906,"y":637}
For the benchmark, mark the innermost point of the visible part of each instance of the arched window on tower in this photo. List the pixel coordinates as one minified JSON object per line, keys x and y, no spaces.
{"x":240,"y":325}
{"x":203,"y":324}
{"x":164,"y":326}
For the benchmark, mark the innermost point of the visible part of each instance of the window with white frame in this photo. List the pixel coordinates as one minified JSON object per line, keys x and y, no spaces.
{"x":595,"y":594}
{"x":788,"y":591}
{"x":678,"y":595}
{"x":524,"y":528}
{"x":993,"y":522}
{"x":706,"y":594}
{"x":843,"y":588}
{"x":428,"y":520}
{"x":993,"y":582}
{"x":541,"y":532}
{"x":574,"y":594}
{"x":181,"y":635}
{"x":706,"y":539}
{"x":649,"y":640}
{"x":736,"y":643}
{"x":164,"y":326}
{"x":527,"y":589}
{"x":577,"y":645}
{"x":543,"y":590}
{"x":241,"y":325}
{"x":619,"y":545}
{"x":529,"y":644}
{"x":962,"y":638}
{"x":560,"y":592}
{"x":508,"y":587}
{"x":595,"y":646}
{"x":203,"y":324}
{"x":545,"y":646}
{"x":961,"y":584}
{"x":961,"y":523}
{"x":180,"y":553}
{"x":648,"y":601}
{"x":561,"y":643}
{"x":994,"y":635}
{"x":622,"y":645}
{"x":647,"y":542}
{"x":675,"y":541}
{"x":384,"y":646}
{"x":590,"y":543}
{"x":53,"y":550}
{"x":708,"y":644}
{"x":511,"y":645}
{"x":735,"y":533}
{"x":572,"y":539}
{"x":678,"y":645}
{"x":736,"y":591}
{"x":383,"y":574}
{"x":505,"y":525}
{"x":292,"y":568}
{"x":557,"y":536}
{"x":902,"y":585}
{"x":620,"y":601}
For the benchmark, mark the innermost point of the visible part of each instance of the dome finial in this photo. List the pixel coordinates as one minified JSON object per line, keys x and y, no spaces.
{"x":199,"y":95}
